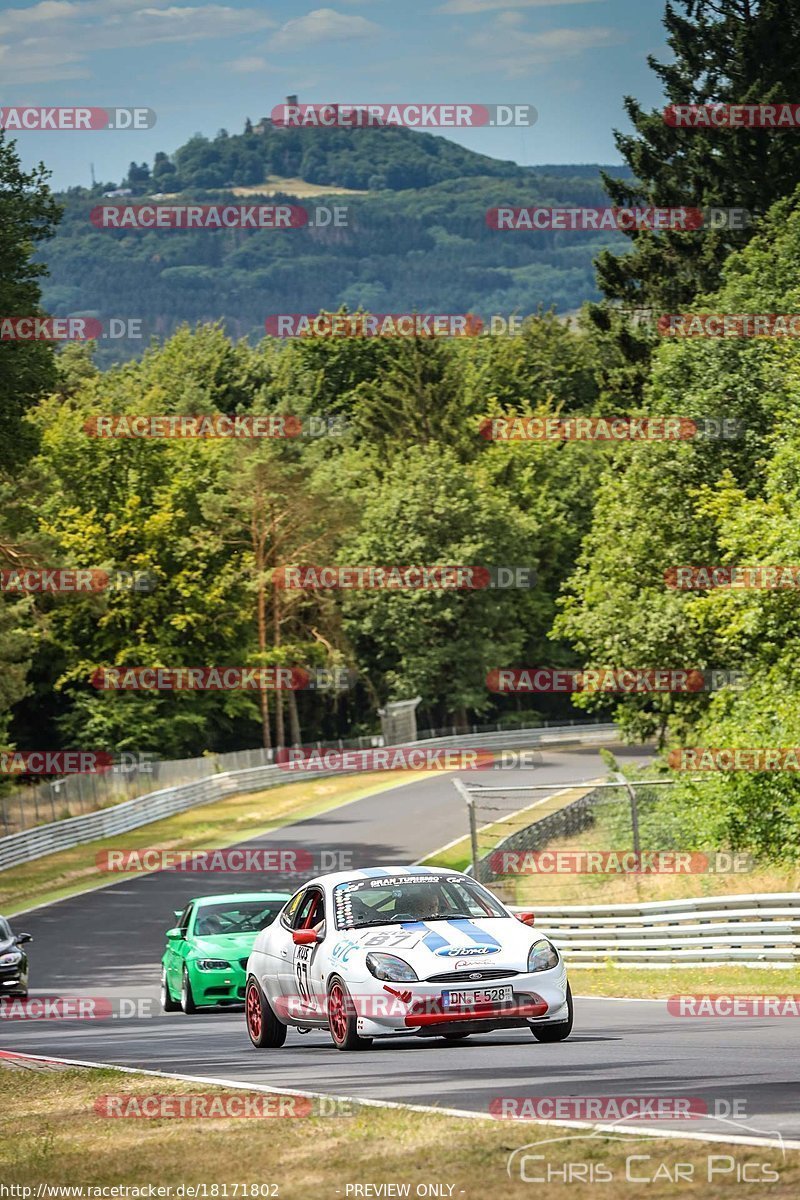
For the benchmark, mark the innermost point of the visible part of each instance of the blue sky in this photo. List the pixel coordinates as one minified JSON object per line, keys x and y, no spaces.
{"x":203,"y":67}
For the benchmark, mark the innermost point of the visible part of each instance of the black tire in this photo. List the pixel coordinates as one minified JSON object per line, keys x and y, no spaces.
{"x":343,"y":1019}
{"x":167,"y":1003}
{"x":559,"y":1030}
{"x":454,"y":1037}
{"x":187,"y":999}
{"x":263,"y":1027}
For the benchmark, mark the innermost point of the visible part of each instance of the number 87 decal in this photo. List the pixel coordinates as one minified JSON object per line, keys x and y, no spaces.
{"x":301,"y":971}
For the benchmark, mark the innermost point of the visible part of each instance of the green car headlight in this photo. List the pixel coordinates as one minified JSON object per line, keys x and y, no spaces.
{"x":7,"y":960}
{"x":213,"y":964}
{"x":542,"y":956}
{"x":387,"y":966}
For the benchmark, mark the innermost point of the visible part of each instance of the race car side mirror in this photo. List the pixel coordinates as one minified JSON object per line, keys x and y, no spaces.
{"x":21,"y":938}
{"x":527,"y":918}
{"x":174,"y":935}
{"x":305,"y":937}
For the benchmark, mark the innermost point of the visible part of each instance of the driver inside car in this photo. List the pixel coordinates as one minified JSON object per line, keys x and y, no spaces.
{"x":421,"y":903}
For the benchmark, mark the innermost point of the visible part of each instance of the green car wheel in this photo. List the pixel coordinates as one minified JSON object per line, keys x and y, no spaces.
{"x":187,"y":999}
{"x":167,"y":1003}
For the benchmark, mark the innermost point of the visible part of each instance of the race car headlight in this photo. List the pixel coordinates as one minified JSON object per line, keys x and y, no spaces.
{"x":387,"y":966}
{"x":213,"y":964}
{"x":10,"y":959}
{"x":542,"y":956}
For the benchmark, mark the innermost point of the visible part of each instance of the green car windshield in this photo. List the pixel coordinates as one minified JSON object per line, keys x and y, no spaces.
{"x":215,"y":920}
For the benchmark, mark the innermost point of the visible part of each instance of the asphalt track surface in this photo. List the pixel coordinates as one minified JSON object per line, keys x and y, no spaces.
{"x":109,"y":942}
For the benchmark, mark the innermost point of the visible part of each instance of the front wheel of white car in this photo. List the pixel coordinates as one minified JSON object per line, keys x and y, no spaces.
{"x":558,"y":1030}
{"x":343,"y":1020}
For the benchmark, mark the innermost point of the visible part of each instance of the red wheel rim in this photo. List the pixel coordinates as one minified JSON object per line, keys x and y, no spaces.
{"x":336,"y":1013}
{"x":254,"y":1011}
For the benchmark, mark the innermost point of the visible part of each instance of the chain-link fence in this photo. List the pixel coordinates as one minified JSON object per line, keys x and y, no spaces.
{"x":27,"y":806}
{"x":561,"y":844}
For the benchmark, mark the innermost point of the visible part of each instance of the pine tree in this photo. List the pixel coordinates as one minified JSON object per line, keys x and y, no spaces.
{"x":28,"y":215}
{"x":727,"y":52}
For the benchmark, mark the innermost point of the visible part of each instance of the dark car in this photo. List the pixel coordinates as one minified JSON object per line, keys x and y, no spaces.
{"x":13,"y":961}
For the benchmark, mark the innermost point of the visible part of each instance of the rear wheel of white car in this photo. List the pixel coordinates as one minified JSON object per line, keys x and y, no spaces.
{"x":342,"y":1019}
{"x":559,"y":1029}
{"x":263,"y":1026}
{"x":167,"y":1003}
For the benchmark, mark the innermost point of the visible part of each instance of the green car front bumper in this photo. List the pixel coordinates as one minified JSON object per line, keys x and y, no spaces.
{"x":217,"y":986}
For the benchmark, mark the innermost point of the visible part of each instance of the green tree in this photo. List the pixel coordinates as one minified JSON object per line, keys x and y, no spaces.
{"x":28,"y":215}
{"x":724,"y":51}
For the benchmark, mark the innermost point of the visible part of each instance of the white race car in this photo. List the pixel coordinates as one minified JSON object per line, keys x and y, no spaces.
{"x":389,"y":951}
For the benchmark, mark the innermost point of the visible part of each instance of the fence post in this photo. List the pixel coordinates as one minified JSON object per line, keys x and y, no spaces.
{"x":631,"y":790}
{"x":473,"y":828}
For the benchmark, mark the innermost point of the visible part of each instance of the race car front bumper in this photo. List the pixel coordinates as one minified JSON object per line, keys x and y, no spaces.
{"x":539,"y":998}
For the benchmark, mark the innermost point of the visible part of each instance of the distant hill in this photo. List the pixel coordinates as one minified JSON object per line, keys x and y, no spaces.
{"x":416,"y":238}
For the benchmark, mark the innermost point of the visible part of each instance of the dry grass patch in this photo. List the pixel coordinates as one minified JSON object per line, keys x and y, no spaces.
{"x":50,"y":1133}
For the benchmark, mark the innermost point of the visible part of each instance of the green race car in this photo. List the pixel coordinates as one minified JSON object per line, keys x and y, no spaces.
{"x":206,"y":956}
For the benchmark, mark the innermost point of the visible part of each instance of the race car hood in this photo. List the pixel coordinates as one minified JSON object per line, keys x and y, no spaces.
{"x":438,"y":947}
{"x":225,"y":945}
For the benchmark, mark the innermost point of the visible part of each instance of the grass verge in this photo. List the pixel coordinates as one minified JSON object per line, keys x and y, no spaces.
{"x":51,"y":1134}
{"x":223,"y":823}
{"x":672,"y":981}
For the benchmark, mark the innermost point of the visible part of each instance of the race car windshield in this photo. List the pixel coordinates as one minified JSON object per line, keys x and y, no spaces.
{"x":365,"y":902}
{"x":215,"y":920}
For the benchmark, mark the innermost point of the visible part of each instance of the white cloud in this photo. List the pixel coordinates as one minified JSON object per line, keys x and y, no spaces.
{"x":511,"y":51}
{"x":247,"y":65}
{"x":50,"y":41}
{"x":480,"y":6}
{"x":467,"y":6}
{"x":322,"y":25}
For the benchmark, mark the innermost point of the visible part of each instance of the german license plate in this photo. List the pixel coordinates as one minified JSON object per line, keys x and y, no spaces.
{"x":477,"y":996}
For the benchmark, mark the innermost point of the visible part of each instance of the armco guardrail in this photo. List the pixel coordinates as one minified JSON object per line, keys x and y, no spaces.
{"x":130,"y":814}
{"x":762,"y":929}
